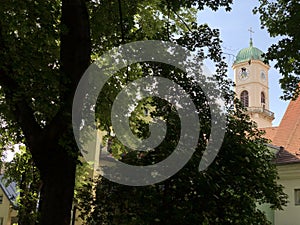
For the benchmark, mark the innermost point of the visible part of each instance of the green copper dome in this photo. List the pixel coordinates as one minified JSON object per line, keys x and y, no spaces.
{"x":249,"y":53}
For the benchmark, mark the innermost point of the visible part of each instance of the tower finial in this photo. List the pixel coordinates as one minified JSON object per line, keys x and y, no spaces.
{"x":251,"y":32}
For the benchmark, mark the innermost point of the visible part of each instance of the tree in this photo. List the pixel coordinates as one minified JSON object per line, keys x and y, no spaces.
{"x":38,"y":78}
{"x":281,"y":18}
{"x":45,"y":48}
{"x":228,"y":192}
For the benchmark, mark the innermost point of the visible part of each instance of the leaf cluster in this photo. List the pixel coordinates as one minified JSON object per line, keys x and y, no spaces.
{"x":281,"y":18}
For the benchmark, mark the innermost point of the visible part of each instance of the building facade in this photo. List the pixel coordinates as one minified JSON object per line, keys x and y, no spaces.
{"x":251,"y":76}
{"x":8,"y":207}
{"x":252,"y":88}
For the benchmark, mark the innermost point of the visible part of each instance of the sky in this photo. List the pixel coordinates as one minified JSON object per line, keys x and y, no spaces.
{"x":234,"y":26}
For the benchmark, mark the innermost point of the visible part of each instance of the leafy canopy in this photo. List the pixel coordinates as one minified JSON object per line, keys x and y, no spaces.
{"x":228,"y":192}
{"x":282,"y":18}
{"x":35,"y":99}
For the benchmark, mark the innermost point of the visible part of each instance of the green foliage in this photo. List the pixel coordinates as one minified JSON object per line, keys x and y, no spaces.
{"x":30,"y":43}
{"x":23,"y":171}
{"x":43,"y":55}
{"x":282,"y":18}
{"x":228,"y":192}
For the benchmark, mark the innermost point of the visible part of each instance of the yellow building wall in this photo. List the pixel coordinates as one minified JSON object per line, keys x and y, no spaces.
{"x":261,"y":120}
{"x":254,"y":85}
{"x":6,"y":211}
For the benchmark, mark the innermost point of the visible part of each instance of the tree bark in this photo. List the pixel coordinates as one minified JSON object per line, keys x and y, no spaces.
{"x":57,"y":163}
{"x":58,"y":176}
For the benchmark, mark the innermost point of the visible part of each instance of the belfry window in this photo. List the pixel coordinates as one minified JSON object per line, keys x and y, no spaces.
{"x":262,"y":98}
{"x":245,"y":98}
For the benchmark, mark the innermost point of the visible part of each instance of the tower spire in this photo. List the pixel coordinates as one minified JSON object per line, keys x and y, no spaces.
{"x":251,"y":32}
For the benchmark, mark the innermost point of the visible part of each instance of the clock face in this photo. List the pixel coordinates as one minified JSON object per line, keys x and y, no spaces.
{"x":243,"y":73}
{"x":263,"y":75}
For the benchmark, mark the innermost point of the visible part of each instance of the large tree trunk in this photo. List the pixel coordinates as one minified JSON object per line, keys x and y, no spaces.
{"x":53,"y":147}
{"x":58,"y":176}
{"x":57,"y":164}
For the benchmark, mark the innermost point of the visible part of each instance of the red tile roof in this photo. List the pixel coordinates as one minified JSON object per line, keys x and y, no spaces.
{"x":270,"y":132}
{"x":287,"y":134}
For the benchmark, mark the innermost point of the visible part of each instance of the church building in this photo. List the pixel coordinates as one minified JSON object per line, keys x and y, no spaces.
{"x":252,"y":88}
{"x":251,"y":80}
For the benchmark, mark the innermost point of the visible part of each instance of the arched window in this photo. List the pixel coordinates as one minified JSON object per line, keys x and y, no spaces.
{"x":245,"y":98}
{"x":262,"y":98}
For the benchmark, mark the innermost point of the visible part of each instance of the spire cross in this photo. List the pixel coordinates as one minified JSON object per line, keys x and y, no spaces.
{"x":251,"y":32}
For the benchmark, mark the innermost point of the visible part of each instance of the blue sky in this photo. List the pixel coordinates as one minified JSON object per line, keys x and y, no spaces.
{"x":234,"y":32}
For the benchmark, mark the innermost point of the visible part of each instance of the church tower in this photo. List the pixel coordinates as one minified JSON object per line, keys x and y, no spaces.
{"x":252,"y":88}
